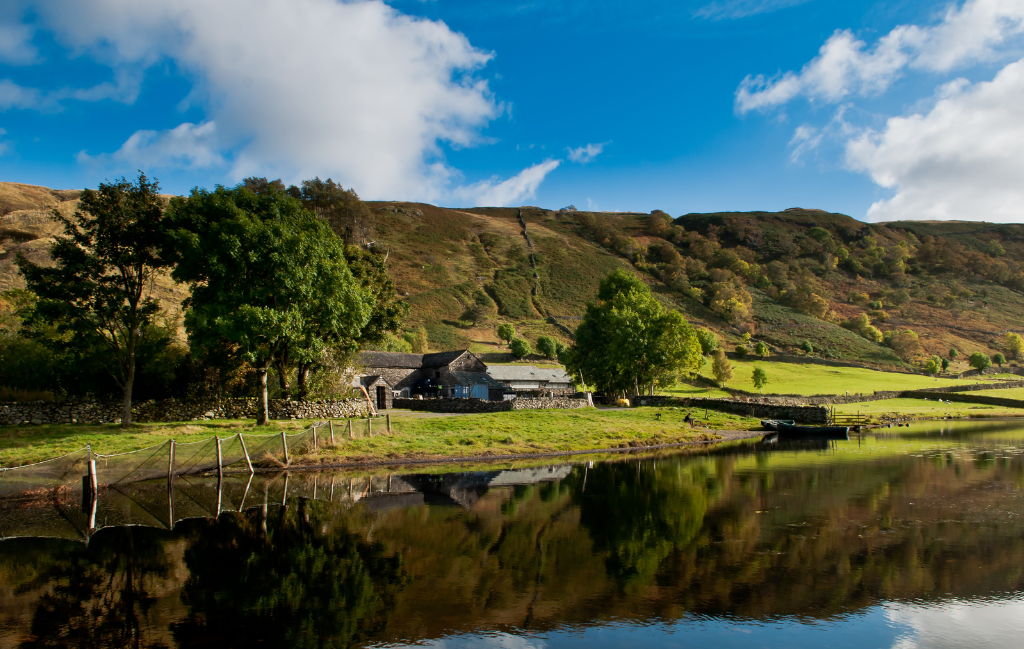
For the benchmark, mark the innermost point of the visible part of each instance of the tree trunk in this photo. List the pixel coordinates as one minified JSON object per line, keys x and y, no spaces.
{"x":263,"y":414}
{"x":301,"y":379}
{"x":282,"y":378}
{"x":126,"y":410}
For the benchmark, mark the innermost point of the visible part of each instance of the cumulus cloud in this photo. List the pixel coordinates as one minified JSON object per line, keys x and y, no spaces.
{"x":585,"y":154}
{"x":963,"y":159}
{"x":508,"y":192}
{"x":733,"y":9}
{"x":956,"y":623}
{"x":186,"y":145}
{"x":353,"y":90}
{"x":845,"y":65}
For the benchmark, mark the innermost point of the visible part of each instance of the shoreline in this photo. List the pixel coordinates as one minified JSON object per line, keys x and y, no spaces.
{"x":724,"y":436}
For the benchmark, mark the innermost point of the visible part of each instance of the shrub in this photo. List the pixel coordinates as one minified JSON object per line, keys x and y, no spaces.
{"x":979,"y":361}
{"x":741,"y":350}
{"x":945,"y":364}
{"x":547,"y":346}
{"x":807,"y":347}
{"x":708,"y":341}
{"x":507,"y":332}
{"x":761,"y":350}
{"x":998,"y":359}
{"x":520,"y":348}
{"x":721,"y":367}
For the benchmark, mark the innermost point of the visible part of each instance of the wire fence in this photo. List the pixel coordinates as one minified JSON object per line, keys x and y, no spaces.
{"x":86,"y":470}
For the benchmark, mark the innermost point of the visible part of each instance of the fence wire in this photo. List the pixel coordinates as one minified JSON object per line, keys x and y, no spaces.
{"x":133,"y":466}
{"x":265,"y":448}
{"x":195,"y":457}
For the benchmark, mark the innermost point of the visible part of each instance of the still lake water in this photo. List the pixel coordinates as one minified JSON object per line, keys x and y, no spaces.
{"x":904,"y":538}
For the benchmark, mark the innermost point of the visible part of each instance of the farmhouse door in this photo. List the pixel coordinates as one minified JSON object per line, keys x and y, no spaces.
{"x":382,"y":398}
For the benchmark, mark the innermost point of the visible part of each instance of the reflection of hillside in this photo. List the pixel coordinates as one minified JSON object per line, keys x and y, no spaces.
{"x":754,"y":535}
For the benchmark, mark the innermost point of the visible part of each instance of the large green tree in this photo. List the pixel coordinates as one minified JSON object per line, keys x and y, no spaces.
{"x":266,"y":276}
{"x":97,"y":294}
{"x":628,"y":342}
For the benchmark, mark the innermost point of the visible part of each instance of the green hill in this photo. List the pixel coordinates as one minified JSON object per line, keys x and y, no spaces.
{"x":784,"y":277}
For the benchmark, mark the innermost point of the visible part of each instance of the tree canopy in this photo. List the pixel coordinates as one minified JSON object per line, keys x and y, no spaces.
{"x":98,"y":293}
{"x":629,"y":342}
{"x":266,"y":277}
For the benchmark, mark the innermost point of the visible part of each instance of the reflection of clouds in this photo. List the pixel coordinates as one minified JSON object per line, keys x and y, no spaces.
{"x":488,"y":641}
{"x":959,"y":624}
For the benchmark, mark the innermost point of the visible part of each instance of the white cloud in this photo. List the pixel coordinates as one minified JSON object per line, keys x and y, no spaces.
{"x":124,"y":89}
{"x":805,"y":138}
{"x":845,"y":65}
{"x":508,"y":192}
{"x":963,"y":159}
{"x":187,"y":145}
{"x":353,"y":90}
{"x":13,"y":95}
{"x":16,"y":44}
{"x":957,"y":623}
{"x":732,"y":9}
{"x":585,"y":154}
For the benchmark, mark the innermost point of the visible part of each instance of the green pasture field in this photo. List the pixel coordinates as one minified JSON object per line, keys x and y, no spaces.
{"x":794,"y":378}
{"x":413,"y":436}
{"x":1005,"y":393}
{"x":925,"y":408}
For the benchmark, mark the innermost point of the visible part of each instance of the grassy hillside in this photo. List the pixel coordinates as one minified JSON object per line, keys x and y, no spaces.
{"x":786,"y":278}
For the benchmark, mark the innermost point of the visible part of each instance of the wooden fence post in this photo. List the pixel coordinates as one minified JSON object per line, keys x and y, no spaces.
{"x":369,"y":431}
{"x":388,"y":417}
{"x":220,"y":462}
{"x":170,"y":463}
{"x":284,"y":445}
{"x":314,"y":437}
{"x":331,"y":422}
{"x":245,"y":453}
{"x":350,"y":435}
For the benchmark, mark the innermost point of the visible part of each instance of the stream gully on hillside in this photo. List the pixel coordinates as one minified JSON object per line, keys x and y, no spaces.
{"x":910,"y":537}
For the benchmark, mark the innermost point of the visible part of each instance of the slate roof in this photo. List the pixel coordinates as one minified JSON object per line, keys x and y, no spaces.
{"x":391,"y":359}
{"x":367,"y":381}
{"x":408,"y":361}
{"x":528,"y":373}
{"x":476,"y":378}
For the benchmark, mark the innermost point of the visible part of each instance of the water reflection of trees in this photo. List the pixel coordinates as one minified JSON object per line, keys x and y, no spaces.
{"x":726,"y":534}
{"x":100,"y":595}
{"x":295,"y":579}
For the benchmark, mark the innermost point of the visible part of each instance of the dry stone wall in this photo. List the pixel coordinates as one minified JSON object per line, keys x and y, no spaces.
{"x":816,"y":415}
{"x":479,"y":405}
{"x":169,"y":410}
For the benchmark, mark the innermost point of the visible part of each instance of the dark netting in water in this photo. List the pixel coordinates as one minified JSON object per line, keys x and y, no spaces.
{"x":135,"y":503}
{"x":134,"y":466}
{"x":43,"y":477}
{"x":196,"y":496}
{"x":195,"y":457}
{"x":45,"y":498}
{"x":265,"y":448}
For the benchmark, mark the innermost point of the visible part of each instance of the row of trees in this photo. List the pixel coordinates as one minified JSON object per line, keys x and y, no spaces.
{"x":270,"y":284}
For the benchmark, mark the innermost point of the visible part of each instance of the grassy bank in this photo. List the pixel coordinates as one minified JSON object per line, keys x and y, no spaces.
{"x":792,"y":378}
{"x":414,"y":435}
{"x":926,"y":409}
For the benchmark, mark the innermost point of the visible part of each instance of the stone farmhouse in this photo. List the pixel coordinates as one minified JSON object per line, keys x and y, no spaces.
{"x":527,"y":378}
{"x":387,"y":375}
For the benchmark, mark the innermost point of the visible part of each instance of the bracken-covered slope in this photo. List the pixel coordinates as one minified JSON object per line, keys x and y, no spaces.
{"x":785,"y":277}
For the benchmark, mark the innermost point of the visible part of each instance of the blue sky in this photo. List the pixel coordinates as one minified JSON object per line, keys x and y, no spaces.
{"x":881,"y":110}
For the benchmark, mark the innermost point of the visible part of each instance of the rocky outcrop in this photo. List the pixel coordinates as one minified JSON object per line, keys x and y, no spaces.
{"x":168,"y":410}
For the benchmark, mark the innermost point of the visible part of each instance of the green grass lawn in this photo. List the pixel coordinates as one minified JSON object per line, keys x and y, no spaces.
{"x":923,"y":408}
{"x":792,"y":378}
{"x":1006,"y":393}
{"x":414,"y":435}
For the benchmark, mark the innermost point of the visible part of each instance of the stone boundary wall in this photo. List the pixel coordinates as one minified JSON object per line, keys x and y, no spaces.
{"x":479,"y":405}
{"x":967,"y":398}
{"x":992,"y":370}
{"x":836,"y":399}
{"x":170,"y":410}
{"x":801,"y":414}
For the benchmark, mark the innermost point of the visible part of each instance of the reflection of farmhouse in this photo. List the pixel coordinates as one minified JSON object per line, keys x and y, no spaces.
{"x":443,"y":374}
{"x":529,"y":378}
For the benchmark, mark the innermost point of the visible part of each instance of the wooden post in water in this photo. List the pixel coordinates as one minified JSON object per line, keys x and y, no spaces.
{"x":170,"y":462}
{"x":284,"y":445}
{"x":220,"y":481}
{"x":331,"y":422}
{"x":350,"y":435}
{"x":220,"y":471}
{"x":314,"y":436}
{"x":388,"y":417}
{"x":331,"y":498}
{"x":170,"y":503}
{"x":245,"y":454}
{"x":241,"y":505}
{"x":284,"y":494}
